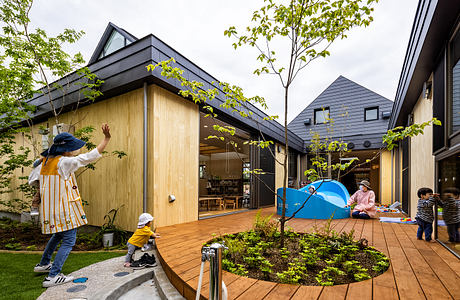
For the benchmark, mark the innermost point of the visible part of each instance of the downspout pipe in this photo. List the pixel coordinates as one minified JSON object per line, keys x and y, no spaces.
{"x":145,"y":159}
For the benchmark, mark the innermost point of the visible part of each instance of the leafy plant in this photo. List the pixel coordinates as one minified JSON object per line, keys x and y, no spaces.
{"x":293,"y":274}
{"x":31,"y":248}
{"x":13,"y":246}
{"x":327,"y":275}
{"x":109,"y":218}
{"x":265,"y":225}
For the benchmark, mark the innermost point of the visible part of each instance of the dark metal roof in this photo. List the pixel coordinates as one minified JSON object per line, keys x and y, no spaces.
{"x":125,"y":70}
{"x":432,"y":27}
{"x":347,"y":102}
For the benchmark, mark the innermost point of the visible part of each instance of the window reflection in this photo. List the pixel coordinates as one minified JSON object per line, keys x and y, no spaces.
{"x":448,"y":208}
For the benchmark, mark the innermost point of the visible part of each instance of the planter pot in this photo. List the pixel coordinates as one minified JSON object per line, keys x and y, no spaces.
{"x":107,"y":239}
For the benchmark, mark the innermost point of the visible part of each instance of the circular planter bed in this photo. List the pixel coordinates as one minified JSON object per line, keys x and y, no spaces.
{"x":323,"y":257}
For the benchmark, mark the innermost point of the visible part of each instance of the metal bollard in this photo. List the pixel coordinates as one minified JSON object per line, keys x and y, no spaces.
{"x":213,"y":253}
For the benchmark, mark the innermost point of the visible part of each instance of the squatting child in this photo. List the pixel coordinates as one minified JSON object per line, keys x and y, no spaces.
{"x":425,"y":216}
{"x":140,"y":237}
{"x":451,"y":213}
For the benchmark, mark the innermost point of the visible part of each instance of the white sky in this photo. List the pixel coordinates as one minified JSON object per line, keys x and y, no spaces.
{"x":371,"y":56}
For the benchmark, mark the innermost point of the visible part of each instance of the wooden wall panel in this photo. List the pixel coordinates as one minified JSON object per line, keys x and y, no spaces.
{"x":115,"y":182}
{"x":173,"y":157}
{"x":385,"y":177}
{"x":421,"y":158}
{"x":279,"y":171}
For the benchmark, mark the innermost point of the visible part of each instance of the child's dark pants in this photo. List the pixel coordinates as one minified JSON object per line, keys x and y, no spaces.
{"x":360,"y":215}
{"x":426,"y":227}
{"x":452,"y":230}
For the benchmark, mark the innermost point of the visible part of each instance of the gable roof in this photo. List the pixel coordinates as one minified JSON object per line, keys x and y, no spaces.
{"x":105,"y":37}
{"x":347,"y":102}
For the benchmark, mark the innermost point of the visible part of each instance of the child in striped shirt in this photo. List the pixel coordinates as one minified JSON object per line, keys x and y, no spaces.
{"x":451,"y":213}
{"x":425,"y":214}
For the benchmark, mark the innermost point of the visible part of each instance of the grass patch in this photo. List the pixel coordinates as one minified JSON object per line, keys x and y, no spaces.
{"x":18,"y":280}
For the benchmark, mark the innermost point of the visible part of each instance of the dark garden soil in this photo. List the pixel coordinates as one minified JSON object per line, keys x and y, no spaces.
{"x":28,"y":236}
{"x":321,"y":258}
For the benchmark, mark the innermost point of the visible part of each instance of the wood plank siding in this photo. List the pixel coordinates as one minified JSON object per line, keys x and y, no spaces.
{"x":173,"y":158}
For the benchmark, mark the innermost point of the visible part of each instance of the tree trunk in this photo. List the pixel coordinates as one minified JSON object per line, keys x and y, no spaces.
{"x":285,"y":166}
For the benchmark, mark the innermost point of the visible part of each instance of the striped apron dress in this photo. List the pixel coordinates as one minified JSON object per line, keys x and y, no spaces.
{"x":61,"y":208}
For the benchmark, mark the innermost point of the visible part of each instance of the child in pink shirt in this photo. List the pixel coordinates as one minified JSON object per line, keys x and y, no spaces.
{"x":365,"y":199}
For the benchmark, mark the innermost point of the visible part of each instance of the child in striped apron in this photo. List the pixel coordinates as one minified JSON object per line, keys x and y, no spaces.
{"x":61,"y":209}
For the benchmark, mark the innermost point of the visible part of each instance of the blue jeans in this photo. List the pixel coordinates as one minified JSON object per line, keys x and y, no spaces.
{"x":452,"y":230}
{"x":360,"y":215}
{"x":426,"y":227}
{"x":68,"y":239}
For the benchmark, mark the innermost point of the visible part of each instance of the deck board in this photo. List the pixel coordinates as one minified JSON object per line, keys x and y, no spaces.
{"x":418,"y":270}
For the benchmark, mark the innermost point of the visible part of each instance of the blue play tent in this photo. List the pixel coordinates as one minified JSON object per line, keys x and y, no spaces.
{"x":330,"y":198}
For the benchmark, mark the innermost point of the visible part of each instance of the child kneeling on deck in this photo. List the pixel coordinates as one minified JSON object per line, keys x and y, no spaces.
{"x":140,"y":237}
{"x":424,"y":216}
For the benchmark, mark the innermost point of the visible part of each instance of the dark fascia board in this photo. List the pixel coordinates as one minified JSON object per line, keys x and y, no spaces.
{"x":430,"y":32}
{"x":105,"y":36}
{"x":125,"y":70}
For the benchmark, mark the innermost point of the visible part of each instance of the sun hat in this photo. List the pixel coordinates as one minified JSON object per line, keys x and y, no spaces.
{"x":63,"y":142}
{"x":366,"y":184}
{"x":144,"y":219}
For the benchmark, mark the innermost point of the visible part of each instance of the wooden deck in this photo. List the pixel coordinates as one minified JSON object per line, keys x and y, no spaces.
{"x":419,"y":270}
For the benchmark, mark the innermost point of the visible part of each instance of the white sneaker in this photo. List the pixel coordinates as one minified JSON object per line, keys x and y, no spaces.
{"x":43,"y":269}
{"x":56,"y":280}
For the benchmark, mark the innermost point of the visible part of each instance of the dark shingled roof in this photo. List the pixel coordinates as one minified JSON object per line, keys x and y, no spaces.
{"x":347,"y":101}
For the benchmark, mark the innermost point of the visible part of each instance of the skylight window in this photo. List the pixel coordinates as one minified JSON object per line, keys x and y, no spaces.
{"x":115,"y":42}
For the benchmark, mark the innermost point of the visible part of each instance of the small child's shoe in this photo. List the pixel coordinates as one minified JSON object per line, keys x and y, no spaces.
{"x":127,"y":265}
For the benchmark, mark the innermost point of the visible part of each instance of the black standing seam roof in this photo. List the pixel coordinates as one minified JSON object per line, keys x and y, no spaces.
{"x":345,"y":96}
{"x":125,"y":70}
{"x":433,"y":23}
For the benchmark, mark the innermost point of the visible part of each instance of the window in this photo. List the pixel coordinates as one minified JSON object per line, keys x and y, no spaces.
{"x":321,"y":115}
{"x":115,"y":42}
{"x":202,"y":171}
{"x":454,"y":107}
{"x":246,"y":169}
{"x":292,"y":168}
{"x":371,"y":113}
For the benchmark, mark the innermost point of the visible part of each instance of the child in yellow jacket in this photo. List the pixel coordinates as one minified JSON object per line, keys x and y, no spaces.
{"x":140,"y":237}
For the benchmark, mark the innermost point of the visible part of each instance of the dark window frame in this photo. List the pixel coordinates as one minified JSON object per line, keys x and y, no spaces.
{"x":371,"y":108}
{"x":453,"y":58}
{"x":322,"y":109}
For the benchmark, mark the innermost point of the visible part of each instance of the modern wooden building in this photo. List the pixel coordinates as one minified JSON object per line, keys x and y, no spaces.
{"x":346,"y":111}
{"x":429,"y":86}
{"x":172,"y":170}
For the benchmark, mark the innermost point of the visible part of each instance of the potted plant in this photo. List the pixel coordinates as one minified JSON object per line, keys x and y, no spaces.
{"x":109,"y":228}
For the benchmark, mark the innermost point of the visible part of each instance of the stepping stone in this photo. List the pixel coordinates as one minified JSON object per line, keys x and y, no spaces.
{"x":80,"y":280}
{"x":120,"y":274}
{"x":77,"y":288}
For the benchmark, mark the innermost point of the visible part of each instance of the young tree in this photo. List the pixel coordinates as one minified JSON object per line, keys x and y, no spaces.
{"x":31,"y":63}
{"x":306,"y":28}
